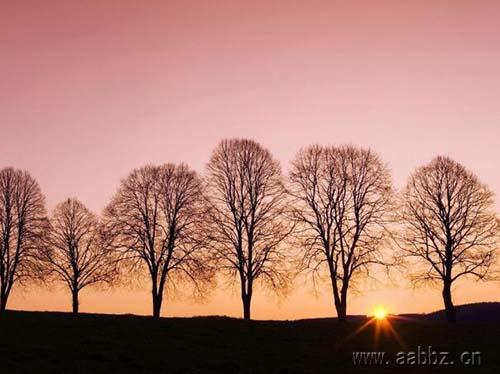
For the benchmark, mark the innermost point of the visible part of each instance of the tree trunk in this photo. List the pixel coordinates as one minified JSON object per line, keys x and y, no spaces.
{"x":3,"y":305}
{"x":247,"y":300}
{"x":338,"y":296}
{"x":340,"y":300}
{"x":157,"y":300}
{"x":75,"y":301}
{"x":451,"y":314}
{"x":246,"y":296}
{"x":339,"y":308}
{"x":342,"y":308}
{"x":341,"y":314}
{"x":4,"y":295}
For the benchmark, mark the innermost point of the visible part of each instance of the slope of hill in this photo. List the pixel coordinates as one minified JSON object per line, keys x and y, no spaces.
{"x":477,"y":313}
{"x":42,"y":342}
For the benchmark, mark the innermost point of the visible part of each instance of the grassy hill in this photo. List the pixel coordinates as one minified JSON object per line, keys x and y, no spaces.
{"x":471,"y":313}
{"x":36,"y":342}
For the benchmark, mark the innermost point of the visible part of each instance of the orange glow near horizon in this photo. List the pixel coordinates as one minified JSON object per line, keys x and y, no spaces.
{"x":380,"y":313}
{"x":93,"y":89}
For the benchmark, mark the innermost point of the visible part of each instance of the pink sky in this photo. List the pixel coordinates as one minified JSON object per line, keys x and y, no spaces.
{"x":92,"y":89}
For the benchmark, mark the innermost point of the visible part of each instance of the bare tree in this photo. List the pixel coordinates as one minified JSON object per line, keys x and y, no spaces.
{"x":248,"y":209}
{"x":450,"y":227}
{"x":155,"y":219}
{"x":77,"y":252}
{"x":22,"y":225}
{"x":343,"y":195}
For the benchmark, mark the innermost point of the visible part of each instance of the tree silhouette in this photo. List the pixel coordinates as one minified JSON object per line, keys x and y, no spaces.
{"x":450,"y":227}
{"x":22,"y":225}
{"x":248,"y":216}
{"x":77,"y":252}
{"x":156,"y":220}
{"x":342,"y":197}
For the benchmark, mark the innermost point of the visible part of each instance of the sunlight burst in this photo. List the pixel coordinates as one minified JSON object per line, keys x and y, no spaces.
{"x":380,"y":313}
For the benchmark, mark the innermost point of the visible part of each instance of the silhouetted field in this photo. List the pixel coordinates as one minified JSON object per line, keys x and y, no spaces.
{"x":41,"y":342}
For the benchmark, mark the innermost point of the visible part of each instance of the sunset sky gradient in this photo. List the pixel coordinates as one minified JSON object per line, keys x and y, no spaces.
{"x":93,"y":89}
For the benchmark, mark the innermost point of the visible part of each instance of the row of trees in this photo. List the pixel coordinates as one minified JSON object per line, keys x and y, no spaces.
{"x":336,"y":215}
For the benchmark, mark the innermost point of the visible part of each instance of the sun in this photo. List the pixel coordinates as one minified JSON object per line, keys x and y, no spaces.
{"x":380,"y":313}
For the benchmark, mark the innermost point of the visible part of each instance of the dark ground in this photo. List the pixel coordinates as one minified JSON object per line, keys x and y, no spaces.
{"x":36,"y":342}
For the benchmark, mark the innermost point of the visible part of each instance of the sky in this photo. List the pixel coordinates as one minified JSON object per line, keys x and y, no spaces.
{"x":92,"y":89}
